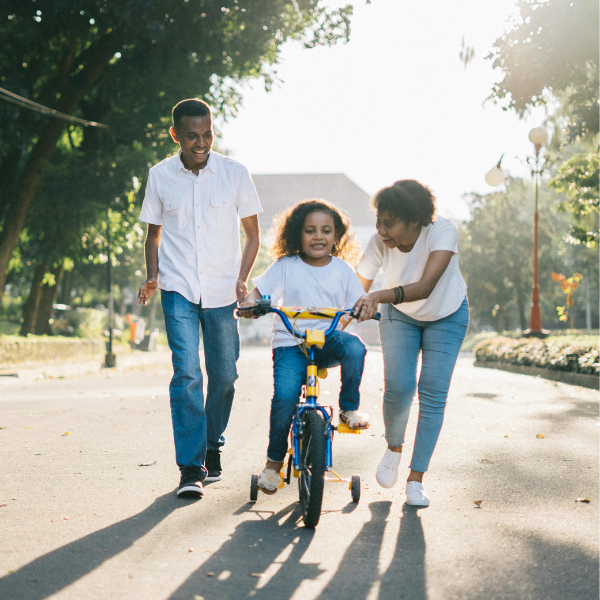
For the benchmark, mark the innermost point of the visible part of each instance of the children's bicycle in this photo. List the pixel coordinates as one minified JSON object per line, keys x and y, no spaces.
{"x":311,"y":435}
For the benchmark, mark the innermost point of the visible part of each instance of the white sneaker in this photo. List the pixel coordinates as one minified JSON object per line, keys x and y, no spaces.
{"x":387,"y":471}
{"x":416,"y":495}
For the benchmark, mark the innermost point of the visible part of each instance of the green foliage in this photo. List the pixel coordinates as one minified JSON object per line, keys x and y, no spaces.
{"x":496,"y":258}
{"x":81,"y":322}
{"x":550,"y":55}
{"x":578,"y":179}
{"x":561,"y":354}
{"x":124,"y":64}
{"x":552,"y":46}
{"x":495,"y":254}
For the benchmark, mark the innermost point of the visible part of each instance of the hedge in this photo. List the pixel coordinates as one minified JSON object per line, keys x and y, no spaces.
{"x":15,"y":349}
{"x":554,"y":354}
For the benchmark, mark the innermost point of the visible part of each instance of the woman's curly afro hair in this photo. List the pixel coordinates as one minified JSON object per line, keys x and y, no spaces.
{"x":289,"y":224}
{"x":407,"y":200}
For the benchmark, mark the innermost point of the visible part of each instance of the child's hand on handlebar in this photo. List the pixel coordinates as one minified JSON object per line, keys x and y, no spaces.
{"x":248,"y":313}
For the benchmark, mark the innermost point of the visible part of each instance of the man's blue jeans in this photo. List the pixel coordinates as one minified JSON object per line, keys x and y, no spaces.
{"x":289,"y":375}
{"x":196,"y":427}
{"x":402,"y":340}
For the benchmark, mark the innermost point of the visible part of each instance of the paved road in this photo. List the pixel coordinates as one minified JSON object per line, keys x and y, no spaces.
{"x":80,"y":519}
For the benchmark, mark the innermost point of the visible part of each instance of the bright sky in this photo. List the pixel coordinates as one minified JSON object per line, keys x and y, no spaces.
{"x":393,"y":103}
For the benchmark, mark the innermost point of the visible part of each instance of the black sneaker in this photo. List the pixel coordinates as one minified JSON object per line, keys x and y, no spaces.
{"x":213,"y":465}
{"x":190,"y":485}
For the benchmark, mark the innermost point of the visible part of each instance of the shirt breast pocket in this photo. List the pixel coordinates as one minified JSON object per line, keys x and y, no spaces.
{"x":173,"y":217}
{"x":223,"y":211}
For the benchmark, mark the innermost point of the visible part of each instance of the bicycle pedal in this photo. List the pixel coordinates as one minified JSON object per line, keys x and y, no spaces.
{"x":343,"y":428}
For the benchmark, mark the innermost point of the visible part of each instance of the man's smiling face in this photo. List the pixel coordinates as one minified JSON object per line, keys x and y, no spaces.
{"x":195,"y":136}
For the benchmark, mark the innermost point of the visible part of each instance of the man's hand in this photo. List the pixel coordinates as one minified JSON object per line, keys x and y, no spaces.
{"x":241,"y":290}
{"x":147,"y":290}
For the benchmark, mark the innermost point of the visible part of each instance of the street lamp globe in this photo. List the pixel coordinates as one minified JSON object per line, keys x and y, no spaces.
{"x":494,"y":177}
{"x":538,"y":136}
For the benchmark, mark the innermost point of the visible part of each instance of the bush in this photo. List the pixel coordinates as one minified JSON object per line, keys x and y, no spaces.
{"x":81,"y":322}
{"x":557,"y":354}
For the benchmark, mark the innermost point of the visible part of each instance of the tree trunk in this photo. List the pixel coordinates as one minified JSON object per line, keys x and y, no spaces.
{"x":65,"y":289}
{"x":47,"y":299}
{"x":30,"y":309}
{"x":521,"y":307}
{"x":94,"y":59}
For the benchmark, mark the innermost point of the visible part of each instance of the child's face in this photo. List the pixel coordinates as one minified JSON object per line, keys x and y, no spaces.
{"x":318,"y":235}
{"x":195,"y":136}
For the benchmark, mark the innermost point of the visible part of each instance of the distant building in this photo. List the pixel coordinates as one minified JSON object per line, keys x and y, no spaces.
{"x":278,"y":192}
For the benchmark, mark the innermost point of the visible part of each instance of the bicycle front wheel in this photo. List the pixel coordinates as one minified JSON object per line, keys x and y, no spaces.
{"x":312,"y":464}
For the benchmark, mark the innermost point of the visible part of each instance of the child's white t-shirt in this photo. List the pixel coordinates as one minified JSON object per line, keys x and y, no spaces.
{"x":402,"y":268}
{"x":291,"y":282}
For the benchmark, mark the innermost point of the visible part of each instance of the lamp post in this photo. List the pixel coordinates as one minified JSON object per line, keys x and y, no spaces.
{"x":110,"y":359}
{"x":495,"y":177}
{"x":538,"y":137}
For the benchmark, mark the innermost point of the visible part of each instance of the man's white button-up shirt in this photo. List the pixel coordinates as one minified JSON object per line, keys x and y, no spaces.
{"x":199,"y":254}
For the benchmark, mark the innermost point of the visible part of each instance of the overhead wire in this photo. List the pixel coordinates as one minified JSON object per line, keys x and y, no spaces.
{"x":19,"y":100}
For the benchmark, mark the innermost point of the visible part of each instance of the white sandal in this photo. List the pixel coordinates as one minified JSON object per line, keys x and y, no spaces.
{"x":355,"y":419}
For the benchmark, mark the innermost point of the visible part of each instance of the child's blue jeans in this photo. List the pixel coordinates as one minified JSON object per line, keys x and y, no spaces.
{"x":289,"y":374}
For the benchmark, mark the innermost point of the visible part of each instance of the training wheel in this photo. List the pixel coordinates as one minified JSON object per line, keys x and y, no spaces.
{"x":254,"y":488}
{"x":355,"y":489}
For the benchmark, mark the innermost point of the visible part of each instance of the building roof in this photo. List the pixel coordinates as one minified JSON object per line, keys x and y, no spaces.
{"x":278,"y":192}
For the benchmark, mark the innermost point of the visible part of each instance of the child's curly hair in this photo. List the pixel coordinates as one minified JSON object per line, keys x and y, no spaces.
{"x":288,"y":227}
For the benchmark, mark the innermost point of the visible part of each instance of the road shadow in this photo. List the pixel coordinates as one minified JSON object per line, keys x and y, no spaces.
{"x":359,"y":576}
{"x":260,"y":560}
{"x":55,"y":570}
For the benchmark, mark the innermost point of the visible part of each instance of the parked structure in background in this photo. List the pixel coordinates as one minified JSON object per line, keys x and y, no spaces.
{"x":278,"y":192}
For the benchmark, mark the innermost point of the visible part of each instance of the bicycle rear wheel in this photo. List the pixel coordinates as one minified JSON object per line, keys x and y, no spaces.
{"x":312,"y":463}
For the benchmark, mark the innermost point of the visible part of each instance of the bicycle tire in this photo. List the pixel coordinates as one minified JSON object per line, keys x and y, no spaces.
{"x":312,"y":461}
{"x":355,"y":490}
{"x":254,"y":488}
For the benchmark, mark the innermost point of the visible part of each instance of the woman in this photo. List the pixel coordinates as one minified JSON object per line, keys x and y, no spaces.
{"x":424,"y":310}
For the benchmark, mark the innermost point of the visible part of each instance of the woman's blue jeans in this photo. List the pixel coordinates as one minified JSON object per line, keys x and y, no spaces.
{"x":402,"y":340}
{"x":196,"y":427}
{"x":289,"y":375}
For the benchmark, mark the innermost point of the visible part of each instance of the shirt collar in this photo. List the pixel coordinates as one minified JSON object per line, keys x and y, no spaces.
{"x":211,"y":164}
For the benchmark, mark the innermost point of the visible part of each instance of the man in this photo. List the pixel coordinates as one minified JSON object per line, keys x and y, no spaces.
{"x":193,"y":204}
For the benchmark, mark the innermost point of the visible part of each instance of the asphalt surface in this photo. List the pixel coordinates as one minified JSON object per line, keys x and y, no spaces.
{"x":80,"y":518}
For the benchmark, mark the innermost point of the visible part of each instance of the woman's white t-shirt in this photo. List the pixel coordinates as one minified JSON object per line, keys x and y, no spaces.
{"x":402,"y":268}
{"x":292,"y":282}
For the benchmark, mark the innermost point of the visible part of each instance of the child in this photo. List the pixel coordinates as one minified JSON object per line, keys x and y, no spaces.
{"x":313,"y":239}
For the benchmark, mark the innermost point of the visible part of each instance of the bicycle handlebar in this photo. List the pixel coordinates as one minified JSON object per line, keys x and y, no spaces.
{"x":264,"y":306}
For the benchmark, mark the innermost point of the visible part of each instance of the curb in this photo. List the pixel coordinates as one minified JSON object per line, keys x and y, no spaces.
{"x":580,"y":379}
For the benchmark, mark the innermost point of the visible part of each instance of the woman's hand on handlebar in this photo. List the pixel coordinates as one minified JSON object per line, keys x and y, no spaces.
{"x":366,"y":307}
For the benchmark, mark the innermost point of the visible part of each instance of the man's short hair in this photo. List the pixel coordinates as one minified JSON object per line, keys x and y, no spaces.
{"x":192,"y":107}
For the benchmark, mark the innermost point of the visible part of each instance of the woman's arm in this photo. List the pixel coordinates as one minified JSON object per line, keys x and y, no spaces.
{"x":366,"y":283}
{"x":437,"y":263}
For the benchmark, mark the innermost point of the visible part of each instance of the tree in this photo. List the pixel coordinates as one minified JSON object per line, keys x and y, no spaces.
{"x":577,"y":178}
{"x":551,"y":54}
{"x":126,"y":64}
{"x":496,"y":256}
{"x":551,"y":47}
